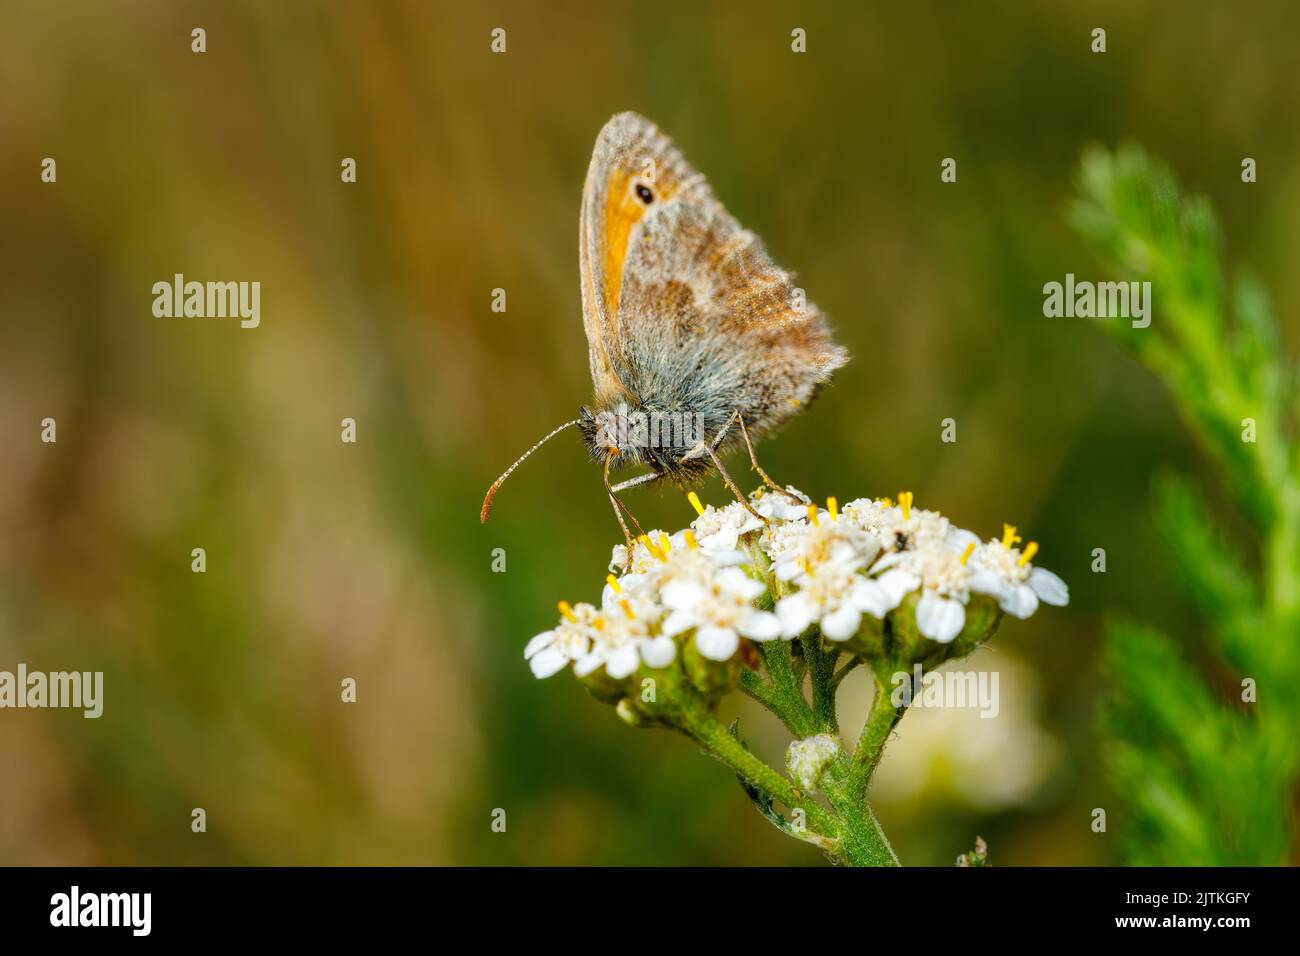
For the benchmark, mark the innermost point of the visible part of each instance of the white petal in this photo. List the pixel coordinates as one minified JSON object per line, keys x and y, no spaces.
{"x":723,"y":539}
{"x":796,"y":613}
{"x":940,"y":619}
{"x":585,"y":665}
{"x":658,"y":651}
{"x":869,"y":547}
{"x":680,"y":595}
{"x":842,"y":624}
{"x":788,"y":570}
{"x":538,"y":643}
{"x":986,"y":582}
{"x":679,"y":621}
{"x":761,"y":626}
{"x":959,"y":538}
{"x":622,"y":662}
{"x":887,"y":561}
{"x":897,"y":585}
{"x":724,"y":557}
{"x":737,"y":581}
{"x":716,"y":643}
{"x":1049,"y":588}
{"x":547,"y":662}
{"x":869,"y":596}
{"x":1019,"y":600}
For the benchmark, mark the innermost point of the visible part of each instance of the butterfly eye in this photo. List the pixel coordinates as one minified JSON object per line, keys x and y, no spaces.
{"x":644,"y":194}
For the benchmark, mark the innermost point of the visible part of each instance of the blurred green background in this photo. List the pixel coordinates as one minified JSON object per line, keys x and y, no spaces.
{"x":328,"y":560}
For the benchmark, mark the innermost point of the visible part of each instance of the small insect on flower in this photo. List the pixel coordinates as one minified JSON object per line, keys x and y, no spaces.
{"x":696,"y":339}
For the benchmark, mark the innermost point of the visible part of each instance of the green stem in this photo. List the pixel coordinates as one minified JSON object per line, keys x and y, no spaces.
{"x":710,"y":733}
{"x":862,"y":840}
{"x":821,"y":673}
{"x":881,"y":721}
{"x":781,"y":694}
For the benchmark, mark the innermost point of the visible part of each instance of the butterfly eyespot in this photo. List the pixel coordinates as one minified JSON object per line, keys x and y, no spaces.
{"x":644,"y":194}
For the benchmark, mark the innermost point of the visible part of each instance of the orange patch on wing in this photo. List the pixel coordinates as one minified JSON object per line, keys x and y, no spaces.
{"x":621,"y":214}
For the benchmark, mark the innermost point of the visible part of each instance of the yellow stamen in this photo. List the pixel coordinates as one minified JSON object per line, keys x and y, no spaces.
{"x":812,"y":514}
{"x":598,"y":623}
{"x":886,"y":502}
{"x":965,"y":555}
{"x":613,"y":582}
{"x":664,"y":542}
{"x":567,"y":610}
{"x":1009,"y":536}
{"x":1031,"y":549}
{"x":833,"y":507}
{"x":689,"y":535}
{"x":650,"y":546}
{"x":694,"y":499}
{"x":807,"y":566}
{"x":627,"y":608}
{"x":905,"y":503}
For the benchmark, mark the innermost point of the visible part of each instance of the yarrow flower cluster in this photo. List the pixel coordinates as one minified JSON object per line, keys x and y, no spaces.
{"x":880,"y":578}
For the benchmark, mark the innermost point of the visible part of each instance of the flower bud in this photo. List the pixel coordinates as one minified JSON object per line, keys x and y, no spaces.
{"x":807,"y":759}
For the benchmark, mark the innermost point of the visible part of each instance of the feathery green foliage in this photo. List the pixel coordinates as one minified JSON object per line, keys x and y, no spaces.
{"x":1202,"y":740}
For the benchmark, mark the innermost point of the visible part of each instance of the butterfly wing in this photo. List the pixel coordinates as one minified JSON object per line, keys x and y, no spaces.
{"x":683,"y":308}
{"x":630,"y":152}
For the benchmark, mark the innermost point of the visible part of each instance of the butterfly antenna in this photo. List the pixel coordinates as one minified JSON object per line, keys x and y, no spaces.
{"x":492,"y":492}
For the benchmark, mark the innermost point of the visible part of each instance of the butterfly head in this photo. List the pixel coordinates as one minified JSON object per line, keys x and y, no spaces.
{"x":608,"y":433}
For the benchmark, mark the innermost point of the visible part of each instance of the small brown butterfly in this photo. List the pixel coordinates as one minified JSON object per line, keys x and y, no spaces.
{"x":697,"y":339}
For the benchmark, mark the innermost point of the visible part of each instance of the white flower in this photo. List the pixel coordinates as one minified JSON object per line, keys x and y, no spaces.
{"x":719,"y":529}
{"x":778,"y":507}
{"x":834,"y":597}
{"x":630,"y":619}
{"x":616,"y":647}
{"x":807,"y":759}
{"x":551,"y":651}
{"x":944,"y":576}
{"x":869,"y":514}
{"x":1004,"y":572}
{"x":900,"y":527}
{"x":824,"y":539}
{"x":644,"y":556}
{"x":677,"y":558}
{"x":721,"y":609}
{"x":705,"y":583}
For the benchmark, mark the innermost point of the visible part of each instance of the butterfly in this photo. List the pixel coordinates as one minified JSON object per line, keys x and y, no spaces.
{"x":696,"y":339}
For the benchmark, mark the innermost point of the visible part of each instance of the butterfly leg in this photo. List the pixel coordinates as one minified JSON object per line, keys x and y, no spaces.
{"x":619,"y":508}
{"x":753,"y":460}
{"x":726,"y":478}
{"x":638,"y":480}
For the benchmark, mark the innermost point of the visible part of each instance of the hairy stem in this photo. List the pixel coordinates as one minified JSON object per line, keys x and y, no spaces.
{"x":710,"y":733}
{"x":781,"y":693}
{"x":881,"y":721}
{"x":821,"y":673}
